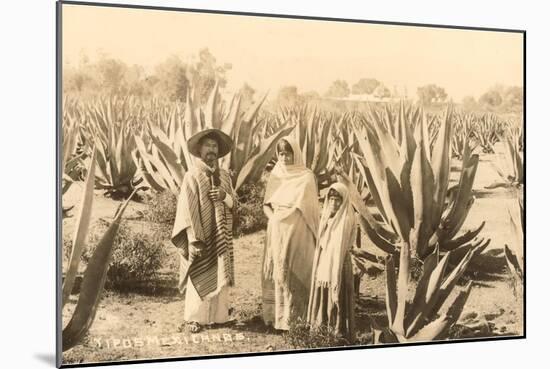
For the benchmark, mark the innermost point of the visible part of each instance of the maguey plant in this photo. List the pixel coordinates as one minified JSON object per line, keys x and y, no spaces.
{"x":421,"y":318}
{"x":513,"y":252}
{"x":487,"y":131}
{"x":96,"y":271}
{"x":162,"y":153}
{"x":112,"y":125}
{"x":510,"y":165}
{"x":410,"y":184}
{"x":74,"y":149}
{"x":313,"y":132}
{"x":462,"y":131}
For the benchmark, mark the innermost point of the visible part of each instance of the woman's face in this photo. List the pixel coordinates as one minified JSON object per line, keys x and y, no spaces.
{"x":285,"y":156}
{"x":334,"y":203}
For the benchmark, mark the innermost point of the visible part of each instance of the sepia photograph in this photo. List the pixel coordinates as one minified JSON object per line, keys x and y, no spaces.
{"x":236,"y":184}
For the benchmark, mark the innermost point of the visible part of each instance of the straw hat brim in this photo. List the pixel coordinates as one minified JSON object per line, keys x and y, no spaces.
{"x":225,"y":143}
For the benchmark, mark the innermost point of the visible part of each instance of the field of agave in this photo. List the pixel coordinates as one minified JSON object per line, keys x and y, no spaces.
{"x":394,"y":158}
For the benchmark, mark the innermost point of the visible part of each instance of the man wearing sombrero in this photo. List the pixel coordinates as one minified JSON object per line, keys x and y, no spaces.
{"x":203,"y":231}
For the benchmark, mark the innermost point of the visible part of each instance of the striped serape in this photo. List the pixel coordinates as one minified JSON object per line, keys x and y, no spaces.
{"x":200,"y":219}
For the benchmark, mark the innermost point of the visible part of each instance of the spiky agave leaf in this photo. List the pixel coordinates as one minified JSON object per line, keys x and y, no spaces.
{"x":213,"y":111}
{"x":419,"y":320}
{"x":419,"y":300}
{"x":398,"y":326}
{"x":111,"y":125}
{"x":511,"y":168}
{"x":422,"y":187}
{"x":441,"y":160}
{"x":92,"y":284}
{"x":438,"y":329}
{"x":391,"y":203}
{"x":255,"y":165}
{"x":450,"y":282}
{"x":391,"y":290}
{"x":324,"y":146}
{"x":242,"y":135}
{"x":461,"y":202}
{"x":514,"y":252}
{"x":434,"y":277}
{"x":381,"y":237}
{"x":81,"y":231}
{"x":154,"y":170}
{"x":409,"y":182}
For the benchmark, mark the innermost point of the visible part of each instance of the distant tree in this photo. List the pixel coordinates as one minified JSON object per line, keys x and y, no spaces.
{"x":469,"y":104}
{"x":134,"y":82}
{"x":513,"y":99}
{"x":431,"y":93}
{"x":503,"y":99}
{"x":79,"y":78}
{"x":339,"y":88}
{"x":75,"y":79}
{"x":247,"y":95}
{"x":111,"y":75}
{"x":310,"y":96}
{"x":382,"y":92}
{"x":441,"y":94}
{"x":105,"y":76}
{"x":491,"y":100}
{"x":150,"y":83}
{"x":365,"y":86}
{"x":170,"y":78}
{"x":204,"y":74}
{"x":288,"y":96}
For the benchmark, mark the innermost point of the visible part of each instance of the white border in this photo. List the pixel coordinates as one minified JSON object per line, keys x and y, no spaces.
{"x":28,"y":181}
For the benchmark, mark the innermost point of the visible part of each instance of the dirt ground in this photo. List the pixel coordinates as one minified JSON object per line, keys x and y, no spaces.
{"x":148,"y":324}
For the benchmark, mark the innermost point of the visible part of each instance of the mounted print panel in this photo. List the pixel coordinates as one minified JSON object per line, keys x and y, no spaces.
{"x":241,"y":184}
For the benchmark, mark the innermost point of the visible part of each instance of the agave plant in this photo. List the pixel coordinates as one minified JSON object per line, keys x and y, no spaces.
{"x":511,"y":167}
{"x":487,"y":131}
{"x":410,"y":185}
{"x":461,"y":135}
{"x":163,"y":157}
{"x":70,"y":161}
{"x":112,"y":124}
{"x":73,"y":154}
{"x":313,"y":132}
{"x":96,"y":270}
{"x":514,"y":252}
{"x":253,"y":144}
{"x":344,"y":145}
{"x":419,"y":319}
{"x":515,"y":131}
{"x":75,"y":148}
{"x":378,"y":233}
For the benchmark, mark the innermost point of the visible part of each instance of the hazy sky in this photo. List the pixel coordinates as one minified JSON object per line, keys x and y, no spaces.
{"x":269,"y":53}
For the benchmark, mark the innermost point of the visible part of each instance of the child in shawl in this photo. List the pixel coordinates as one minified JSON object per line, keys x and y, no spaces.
{"x":292,"y":207}
{"x":331,"y":301}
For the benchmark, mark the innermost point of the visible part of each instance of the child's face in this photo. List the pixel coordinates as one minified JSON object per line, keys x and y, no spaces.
{"x":286,"y":157}
{"x":334,"y":203}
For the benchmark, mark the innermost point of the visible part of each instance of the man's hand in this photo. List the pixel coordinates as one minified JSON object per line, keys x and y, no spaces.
{"x":216,"y":194}
{"x":196,"y":249}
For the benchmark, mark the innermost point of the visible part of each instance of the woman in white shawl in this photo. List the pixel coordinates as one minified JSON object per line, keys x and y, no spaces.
{"x":292,"y":207}
{"x":331,"y":301}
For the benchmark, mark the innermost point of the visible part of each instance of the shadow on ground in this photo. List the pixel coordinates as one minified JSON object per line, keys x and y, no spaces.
{"x":488,"y":266}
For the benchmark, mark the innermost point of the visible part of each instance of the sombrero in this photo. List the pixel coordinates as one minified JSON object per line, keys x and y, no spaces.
{"x":225,"y":143}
